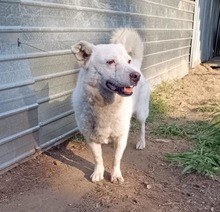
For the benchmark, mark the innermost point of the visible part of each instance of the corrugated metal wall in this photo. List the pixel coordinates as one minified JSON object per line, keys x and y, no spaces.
{"x":168,"y":37}
{"x":205,"y":30}
{"x":36,"y":83}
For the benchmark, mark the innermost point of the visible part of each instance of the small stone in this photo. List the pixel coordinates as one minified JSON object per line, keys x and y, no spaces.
{"x":149,"y":186}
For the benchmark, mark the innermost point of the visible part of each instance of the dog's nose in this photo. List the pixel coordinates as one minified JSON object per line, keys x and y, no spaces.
{"x":134,"y":76}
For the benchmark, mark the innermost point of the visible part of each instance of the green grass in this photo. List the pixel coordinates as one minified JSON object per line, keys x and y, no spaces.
{"x":188,"y":130}
{"x":158,"y":107}
{"x":204,"y":158}
{"x":169,"y":131}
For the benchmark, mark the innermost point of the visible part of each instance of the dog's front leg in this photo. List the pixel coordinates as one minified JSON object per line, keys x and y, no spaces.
{"x":98,"y":173}
{"x":119,"y":150}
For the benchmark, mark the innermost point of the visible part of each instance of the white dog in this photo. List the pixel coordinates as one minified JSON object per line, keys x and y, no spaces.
{"x":110,"y":88}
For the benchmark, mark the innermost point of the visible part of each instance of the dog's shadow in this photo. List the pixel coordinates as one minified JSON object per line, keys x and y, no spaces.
{"x":68,"y":157}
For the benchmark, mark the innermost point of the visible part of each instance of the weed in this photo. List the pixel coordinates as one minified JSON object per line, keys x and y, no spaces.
{"x":190,"y":130}
{"x":208,"y":109}
{"x":77,"y":138}
{"x":205,"y":156}
{"x":202,"y":160}
{"x":170,"y":131}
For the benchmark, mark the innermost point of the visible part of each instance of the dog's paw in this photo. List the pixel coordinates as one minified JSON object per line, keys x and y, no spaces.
{"x":98,"y":174}
{"x":140,"y":145}
{"x":117,"y":177}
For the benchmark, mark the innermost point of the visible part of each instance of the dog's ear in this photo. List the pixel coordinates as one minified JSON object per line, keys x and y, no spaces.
{"x":82,"y":51}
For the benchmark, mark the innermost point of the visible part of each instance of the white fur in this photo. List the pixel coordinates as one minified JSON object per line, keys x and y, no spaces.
{"x":102,"y":114}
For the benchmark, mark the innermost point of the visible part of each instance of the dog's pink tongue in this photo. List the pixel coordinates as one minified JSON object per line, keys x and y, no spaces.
{"x":128,"y":90}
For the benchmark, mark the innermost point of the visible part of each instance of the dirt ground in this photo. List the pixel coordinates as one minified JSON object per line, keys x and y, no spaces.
{"x":58,"y":180}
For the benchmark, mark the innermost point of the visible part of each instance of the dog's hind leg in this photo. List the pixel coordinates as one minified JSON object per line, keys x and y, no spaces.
{"x":142,"y":112}
{"x":98,"y":173}
{"x":141,"y":142}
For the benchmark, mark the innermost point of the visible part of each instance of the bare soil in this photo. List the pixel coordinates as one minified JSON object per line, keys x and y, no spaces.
{"x":58,"y":180}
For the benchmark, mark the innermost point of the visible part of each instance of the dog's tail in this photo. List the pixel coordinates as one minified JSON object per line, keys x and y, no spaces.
{"x":131,"y":41}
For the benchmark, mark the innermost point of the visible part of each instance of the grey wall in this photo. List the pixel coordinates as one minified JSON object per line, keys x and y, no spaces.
{"x":36,"y":84}
{"x":168,"y":37}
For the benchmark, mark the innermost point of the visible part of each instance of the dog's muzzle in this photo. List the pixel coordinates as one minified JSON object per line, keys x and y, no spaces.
{"x":125,"y":90}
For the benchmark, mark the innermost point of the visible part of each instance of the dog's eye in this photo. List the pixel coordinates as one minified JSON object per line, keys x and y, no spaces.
{"x":129,"y":61}
{"x":110,"y":62}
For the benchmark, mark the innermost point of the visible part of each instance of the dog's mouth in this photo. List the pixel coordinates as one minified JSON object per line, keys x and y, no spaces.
{"x":123,"y":91}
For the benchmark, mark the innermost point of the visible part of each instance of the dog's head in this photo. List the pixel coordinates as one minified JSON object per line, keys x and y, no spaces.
{"x":112,"y":65}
